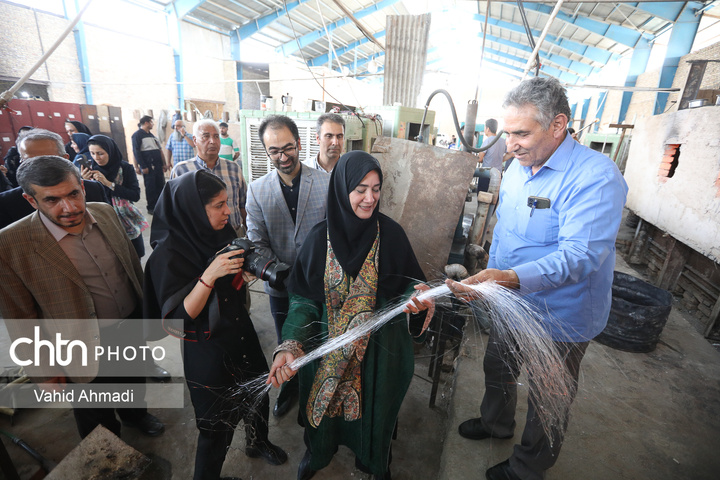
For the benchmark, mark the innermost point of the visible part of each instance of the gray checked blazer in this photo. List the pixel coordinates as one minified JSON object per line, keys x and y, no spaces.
{"x":269,"y":224}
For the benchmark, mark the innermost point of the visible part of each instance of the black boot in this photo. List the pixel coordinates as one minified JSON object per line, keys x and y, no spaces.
{"x":304,"y":470}
{"x":258,"y":445}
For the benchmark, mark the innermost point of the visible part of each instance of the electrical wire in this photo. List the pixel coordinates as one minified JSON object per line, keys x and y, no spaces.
{"x":292,"y":26}
{"x":482,"y":51}
{"x":528,"y":31}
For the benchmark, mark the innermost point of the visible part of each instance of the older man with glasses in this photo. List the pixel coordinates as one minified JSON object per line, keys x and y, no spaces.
{"x":206,"y":136}
{"x":282,"y":207}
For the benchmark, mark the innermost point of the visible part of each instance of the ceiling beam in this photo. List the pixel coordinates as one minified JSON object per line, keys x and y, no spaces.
{"x":258,"y":24}
{"x":617,"y":33}
{"x":579,"y":68}
{"x":669,"y":11}
{"x":548,"y":69}
{"x":359,"y":25}
{"x":593,"y":53}
{"x":183,"y":7}
{"x":324,"y":59}
{"x":291,"y":47}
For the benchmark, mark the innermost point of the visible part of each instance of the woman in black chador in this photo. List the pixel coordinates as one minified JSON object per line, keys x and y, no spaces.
{"x":221,"y":348}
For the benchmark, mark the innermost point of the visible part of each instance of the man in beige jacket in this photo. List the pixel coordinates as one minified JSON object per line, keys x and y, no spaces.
{"x":70,"y":269}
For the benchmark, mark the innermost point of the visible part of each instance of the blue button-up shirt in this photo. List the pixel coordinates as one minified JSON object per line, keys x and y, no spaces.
{"x":181,"y":150}
{"x":230,"y":173}
{"x":564,"y":255}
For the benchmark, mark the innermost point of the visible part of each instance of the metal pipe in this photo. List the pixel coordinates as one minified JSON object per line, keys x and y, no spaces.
{"x":470,"y":120}
{"x":7,"y":95}
{"x":468,"y":148}
{"x":554,"y":13}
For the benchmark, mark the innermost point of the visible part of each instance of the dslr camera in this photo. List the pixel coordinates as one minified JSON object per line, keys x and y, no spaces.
{"x":263,"y":268}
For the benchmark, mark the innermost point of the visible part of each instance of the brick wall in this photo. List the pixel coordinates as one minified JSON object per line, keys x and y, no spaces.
{"x":21,"y":46}
{"x":127,"y":71}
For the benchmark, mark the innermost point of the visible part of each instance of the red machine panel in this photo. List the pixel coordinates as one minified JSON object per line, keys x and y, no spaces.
{"x":5,"y":122}
{"x":39,"y":113}
{"x":117,"y":130}
{"x":90,"y":117}
{"x":70,"y":111}
{"x":23,"y":116}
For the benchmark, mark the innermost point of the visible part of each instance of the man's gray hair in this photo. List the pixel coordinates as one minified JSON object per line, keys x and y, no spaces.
{"x":37,"y":134}
{"x":544,"y":93}
{"x":204,"y":122}
{"x":329,"y":117}
{"x":45,"y":171}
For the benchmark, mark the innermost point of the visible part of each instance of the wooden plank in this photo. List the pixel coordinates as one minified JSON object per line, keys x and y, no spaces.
{"x":486,"y":197}
{"x":714,"y":317}
{"x":675,"y":261}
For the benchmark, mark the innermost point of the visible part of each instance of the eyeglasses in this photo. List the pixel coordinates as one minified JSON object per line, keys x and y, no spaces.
{"x":277,"y":153}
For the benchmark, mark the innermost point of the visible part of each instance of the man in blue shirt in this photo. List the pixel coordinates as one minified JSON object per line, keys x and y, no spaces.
{"x":559,"y":213}
{"x":492,"y":157}
{"x":180,"y":145}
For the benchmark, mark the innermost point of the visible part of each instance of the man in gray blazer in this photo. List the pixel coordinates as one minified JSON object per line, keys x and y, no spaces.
{"x":69,"y":269}
{"x":282,"y":207}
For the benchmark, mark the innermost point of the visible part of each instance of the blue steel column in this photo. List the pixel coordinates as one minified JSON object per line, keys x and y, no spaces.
{"x":638,"y":64}
{"x":72,"y":8}
{"x":585,"y":108}
{"x":175,"y":39}
{"x":680,"y":43}
{"x":235,"y":54}
{"x":601,"y":106}
{"x":573,"y":109}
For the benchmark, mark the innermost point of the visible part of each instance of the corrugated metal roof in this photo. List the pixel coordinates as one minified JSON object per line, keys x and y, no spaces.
{"x":583,"y":38}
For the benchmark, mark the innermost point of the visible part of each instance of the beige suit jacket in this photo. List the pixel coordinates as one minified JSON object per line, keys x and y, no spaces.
{"x":38,"y":281}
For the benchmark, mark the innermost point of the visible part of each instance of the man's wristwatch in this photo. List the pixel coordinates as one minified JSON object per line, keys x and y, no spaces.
{"x":112,"y":186}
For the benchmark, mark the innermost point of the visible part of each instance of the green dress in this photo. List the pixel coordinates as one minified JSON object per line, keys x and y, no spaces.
{"x":387,"y":369}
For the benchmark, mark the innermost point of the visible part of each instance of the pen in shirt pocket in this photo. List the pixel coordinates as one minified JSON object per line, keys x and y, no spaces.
{"x":537,"y":202}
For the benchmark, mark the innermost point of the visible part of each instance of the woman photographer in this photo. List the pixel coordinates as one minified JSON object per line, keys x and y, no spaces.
{"x":120,"y":183}
{"x":186,"y":280}
{"x":349,"y":266}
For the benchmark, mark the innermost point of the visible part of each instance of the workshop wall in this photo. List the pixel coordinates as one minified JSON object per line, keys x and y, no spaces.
{"x":685,"y":205}
{"x":127,"y":70}
{"x":25,"y":38}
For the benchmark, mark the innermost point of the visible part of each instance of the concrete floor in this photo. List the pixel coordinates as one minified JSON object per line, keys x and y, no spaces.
{"x":637,"y":416}
{"x":416,"y":454}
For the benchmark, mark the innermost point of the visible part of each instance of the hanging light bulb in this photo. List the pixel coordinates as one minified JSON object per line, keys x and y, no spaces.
{"x":373,"y":66}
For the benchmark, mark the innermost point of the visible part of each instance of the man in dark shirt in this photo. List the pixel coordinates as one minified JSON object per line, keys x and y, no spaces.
{"x":282,"y":207}
{"x":34,"y":144}
{"x":150,"y":160}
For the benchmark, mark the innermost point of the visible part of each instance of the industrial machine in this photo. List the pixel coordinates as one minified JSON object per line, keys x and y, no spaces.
{"x":404,"y":122}
{"x":359,"y":135}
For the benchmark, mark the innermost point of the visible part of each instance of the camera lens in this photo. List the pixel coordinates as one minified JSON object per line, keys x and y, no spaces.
{"x":267,"y":269}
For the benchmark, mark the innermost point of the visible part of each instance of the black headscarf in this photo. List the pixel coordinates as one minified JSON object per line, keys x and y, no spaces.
{"x":183,"y":241}
{"x":351,"y":238}
{"x":110,"y":169}
{"x":81,"y":127}
{"x":81,"y":140}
